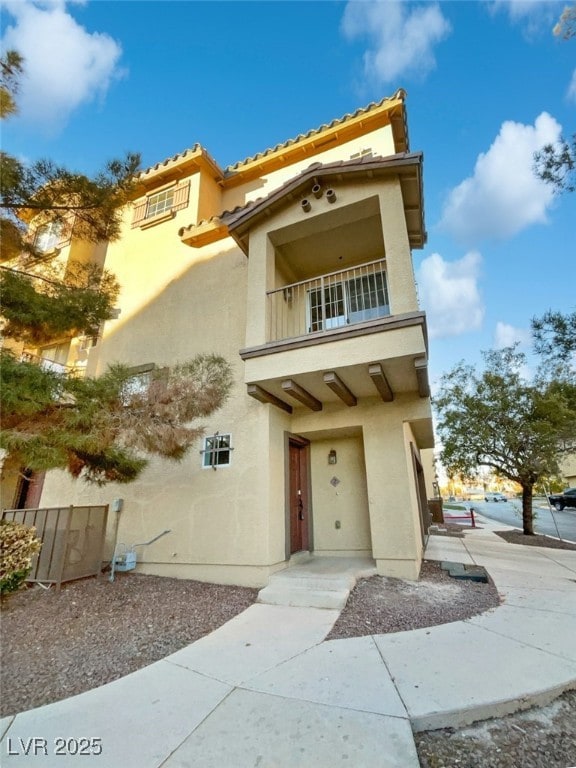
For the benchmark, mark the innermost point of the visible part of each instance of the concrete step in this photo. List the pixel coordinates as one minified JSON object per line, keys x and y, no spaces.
{"x":316,"y":582}
{"x":303,"y":597}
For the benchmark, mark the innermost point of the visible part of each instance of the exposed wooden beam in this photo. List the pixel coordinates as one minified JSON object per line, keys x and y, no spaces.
{"x":302,"y":395}
{"x":421,"y":366}
{"x":267,"y":397}
{"x":332,"y":380}
{"x":381,"y":382}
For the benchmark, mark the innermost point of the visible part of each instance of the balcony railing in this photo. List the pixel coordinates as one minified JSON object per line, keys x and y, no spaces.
{"x":334,"y":300}
{"x":52,"y":365}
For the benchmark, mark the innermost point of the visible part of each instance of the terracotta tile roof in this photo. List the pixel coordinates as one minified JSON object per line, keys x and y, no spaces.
{"x":230,"y":220}
{"x":399,"y":95}
{"x":198,"y":150}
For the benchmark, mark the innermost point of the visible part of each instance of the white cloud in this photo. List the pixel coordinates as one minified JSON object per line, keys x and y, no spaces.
{"x":534,"y":16}
{"x":504,"y":195}
{"x":449,"y":293}
{"x":65,"y":66}
{"x":507,"y":335}
{"x":571,"y":92}
{"x":401,"y":39}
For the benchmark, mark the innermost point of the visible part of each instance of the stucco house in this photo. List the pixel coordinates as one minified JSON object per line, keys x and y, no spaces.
{"x":295,"y":265}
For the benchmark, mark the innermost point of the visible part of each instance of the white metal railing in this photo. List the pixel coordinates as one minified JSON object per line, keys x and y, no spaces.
{"x":334,"y":300}
{"x":52,"y":365}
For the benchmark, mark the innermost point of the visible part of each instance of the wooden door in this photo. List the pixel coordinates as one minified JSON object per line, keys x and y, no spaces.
{"x":299,"y":507}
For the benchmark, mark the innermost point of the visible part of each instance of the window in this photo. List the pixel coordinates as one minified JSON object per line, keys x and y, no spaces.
{"x":349,"y":301}
{"x":138,"y":382}
{"x":160,"y":202}
{"x":162,"y":205}
{"x":48,"y":236}
{"x":217,"y":451}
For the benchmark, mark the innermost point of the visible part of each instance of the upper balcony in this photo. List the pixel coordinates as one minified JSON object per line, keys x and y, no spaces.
{"x":333,"y":338}
{"x":332,"y":312}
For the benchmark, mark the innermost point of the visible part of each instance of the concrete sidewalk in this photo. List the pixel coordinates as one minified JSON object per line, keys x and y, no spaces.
{"x":265,"y":690}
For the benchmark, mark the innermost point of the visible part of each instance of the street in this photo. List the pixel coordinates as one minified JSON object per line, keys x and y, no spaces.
{"x":559,"y":524}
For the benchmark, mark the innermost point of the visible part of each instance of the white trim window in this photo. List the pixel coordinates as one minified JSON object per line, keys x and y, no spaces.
{"x":159,"y":206}
{"x":217,"y":451}
{"x":160,"y":202}
{"x":47,"y":236}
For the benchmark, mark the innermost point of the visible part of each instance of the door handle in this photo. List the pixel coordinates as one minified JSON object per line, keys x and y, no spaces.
{"x":300,"y":508}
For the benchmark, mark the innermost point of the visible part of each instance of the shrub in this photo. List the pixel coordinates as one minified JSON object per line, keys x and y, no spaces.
{"x":18,"y":544}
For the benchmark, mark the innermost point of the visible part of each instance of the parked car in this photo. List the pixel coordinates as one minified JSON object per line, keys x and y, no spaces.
{"x":495,"y":497}
{"x":565,"y":499}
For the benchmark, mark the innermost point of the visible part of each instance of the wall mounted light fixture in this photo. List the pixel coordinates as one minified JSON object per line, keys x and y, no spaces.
{"x":332,"y":457}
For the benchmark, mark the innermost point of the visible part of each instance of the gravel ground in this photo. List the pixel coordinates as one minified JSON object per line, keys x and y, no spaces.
{"x":538,"y":540}
{"x":379,"y":605}
{"x":543,"y":737}
{"x":58,"y":644}
{"x":55,"y":645}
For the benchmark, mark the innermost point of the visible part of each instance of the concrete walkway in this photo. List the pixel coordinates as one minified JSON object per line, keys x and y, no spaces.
{"x":265,"y":690}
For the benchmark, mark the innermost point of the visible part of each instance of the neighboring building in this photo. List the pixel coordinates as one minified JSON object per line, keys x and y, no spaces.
{"x":569,"y":469}
{"x":295,"y":265}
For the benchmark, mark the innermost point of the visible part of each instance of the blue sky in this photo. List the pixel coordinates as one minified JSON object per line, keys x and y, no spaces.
{"x":487,"y":83}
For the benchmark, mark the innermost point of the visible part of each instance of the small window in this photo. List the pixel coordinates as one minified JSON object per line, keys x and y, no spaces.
{"x":217,"y":451}
{"x":48,"y":236}
{"x":138,"y":382}
{"x":160,"y":202}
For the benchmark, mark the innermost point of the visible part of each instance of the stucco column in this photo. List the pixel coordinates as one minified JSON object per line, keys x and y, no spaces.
{"x":260,"y":279}
{"x":396,"y":546}
{"x":399,"y":268}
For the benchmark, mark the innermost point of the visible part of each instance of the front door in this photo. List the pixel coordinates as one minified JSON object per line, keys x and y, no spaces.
{"x":299,"y":511}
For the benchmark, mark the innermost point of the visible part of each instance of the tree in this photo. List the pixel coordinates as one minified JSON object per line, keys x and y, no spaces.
{"x":554,"y":337}
{"x":498,"y":420}
{"x":556,"y":163}
{"x":39,"y":298}
{"x":101,"y":429}
{"x":10,"y":72}
{"x":566,"y":25}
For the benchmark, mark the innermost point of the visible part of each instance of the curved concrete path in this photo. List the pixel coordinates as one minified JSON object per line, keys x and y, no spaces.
{"x":265,"y":690}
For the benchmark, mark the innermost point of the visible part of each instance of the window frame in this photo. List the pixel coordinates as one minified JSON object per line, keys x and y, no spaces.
{"x":339,"y":299}
{"x":214,"y":452}
{"x":153,"y":207}
{"x":52,"y":231}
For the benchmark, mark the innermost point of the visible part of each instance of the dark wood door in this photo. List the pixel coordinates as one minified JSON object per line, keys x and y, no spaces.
{"x":29,"y":489}
{"x":299,"y":512}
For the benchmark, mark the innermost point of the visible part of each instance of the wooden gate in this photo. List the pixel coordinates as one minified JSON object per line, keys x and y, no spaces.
{"x":72,"y":541}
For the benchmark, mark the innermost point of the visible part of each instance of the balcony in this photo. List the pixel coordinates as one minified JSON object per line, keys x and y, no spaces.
{"x":336,"y":300}
{"x":333,"y":338}
{"x":51,"y":365}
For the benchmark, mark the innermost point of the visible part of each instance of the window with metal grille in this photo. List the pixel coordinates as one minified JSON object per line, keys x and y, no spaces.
{"x":345,"y":302}
{"x":217,"y":451}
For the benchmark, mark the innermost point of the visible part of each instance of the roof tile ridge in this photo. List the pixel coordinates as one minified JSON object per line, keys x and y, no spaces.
{"x":399,"y":94}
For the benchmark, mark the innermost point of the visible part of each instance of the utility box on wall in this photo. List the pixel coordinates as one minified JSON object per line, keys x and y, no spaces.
{"x":435,"y":507}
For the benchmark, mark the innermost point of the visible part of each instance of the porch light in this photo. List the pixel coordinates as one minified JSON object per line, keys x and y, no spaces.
{"x":332,"y":457}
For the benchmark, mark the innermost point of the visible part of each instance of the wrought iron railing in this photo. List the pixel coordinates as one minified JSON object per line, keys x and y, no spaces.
{"x":334,"y":300}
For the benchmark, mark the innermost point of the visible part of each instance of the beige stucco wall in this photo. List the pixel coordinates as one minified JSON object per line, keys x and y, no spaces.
{"x":229,"y":525}
{"x":263,"y":272}
{"x":340,"y":498}
{"x":380,"y":141}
